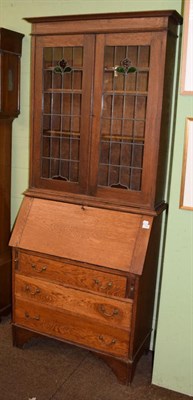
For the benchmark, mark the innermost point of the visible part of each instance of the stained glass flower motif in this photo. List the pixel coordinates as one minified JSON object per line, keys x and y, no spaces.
{"x":62,"y":67}
{"x":125,"y":67}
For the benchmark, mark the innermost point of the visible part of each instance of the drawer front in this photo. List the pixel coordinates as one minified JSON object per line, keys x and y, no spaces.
{"x":64,"y":325}
{"x":77,"y":302}
{"x":72,"y":275}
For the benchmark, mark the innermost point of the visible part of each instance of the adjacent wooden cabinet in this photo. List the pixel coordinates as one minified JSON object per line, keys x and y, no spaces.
{"x":10,"y":53}
{"x":86,"y":240}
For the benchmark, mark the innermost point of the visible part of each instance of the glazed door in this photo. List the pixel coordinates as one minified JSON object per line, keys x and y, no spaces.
{"x":129,"y":70}
{"x":61,"y":112}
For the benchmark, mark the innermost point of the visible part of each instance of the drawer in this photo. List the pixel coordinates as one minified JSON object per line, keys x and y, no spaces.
{"x":77,"y":302}
{"x":63,"y":325}
{"x":73,"y":275}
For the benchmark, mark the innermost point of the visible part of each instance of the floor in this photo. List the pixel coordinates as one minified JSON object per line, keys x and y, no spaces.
{"x":49,"y":370}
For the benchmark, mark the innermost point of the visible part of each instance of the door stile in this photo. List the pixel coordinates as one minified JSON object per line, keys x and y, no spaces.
{"x":87,"y":93}
{"x":153,"y":116}
{"x":96,"y":123}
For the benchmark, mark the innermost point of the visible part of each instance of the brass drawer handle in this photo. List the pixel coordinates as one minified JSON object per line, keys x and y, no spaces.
{"x":28,"y":289}
{"x":108,"y":286}
{"x":34,"y":266}
{"x":36,"y":317}
{"x":102,"y":309}
{"x":113,"y":341}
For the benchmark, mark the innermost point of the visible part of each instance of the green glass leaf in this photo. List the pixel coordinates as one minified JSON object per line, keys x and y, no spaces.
{"x":131,"y":69}
{"x":121,"y":70}
{"x":58,"y":70}
{"x":68,"y":69}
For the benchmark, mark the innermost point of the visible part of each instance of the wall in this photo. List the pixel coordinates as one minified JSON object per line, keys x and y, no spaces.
{"x":173,"y":364}
{"x":173,"y":356}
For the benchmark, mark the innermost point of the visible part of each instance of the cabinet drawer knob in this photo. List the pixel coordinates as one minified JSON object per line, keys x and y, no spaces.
{"x":28,"y":289}
{"x":102,"y":339}
{"x":34,"y":266}
{"x":103,"y":310}
{"x":36,"y":317}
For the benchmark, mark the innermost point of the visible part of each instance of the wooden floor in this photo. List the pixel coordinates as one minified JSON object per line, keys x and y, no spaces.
{"x":48,"y":370}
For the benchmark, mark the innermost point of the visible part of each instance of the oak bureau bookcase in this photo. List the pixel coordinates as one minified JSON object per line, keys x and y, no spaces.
{"x":86,"y":240}
{"x":10,"y":54}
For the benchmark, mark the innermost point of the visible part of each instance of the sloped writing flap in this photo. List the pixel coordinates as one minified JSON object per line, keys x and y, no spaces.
{"x":96,"y":236}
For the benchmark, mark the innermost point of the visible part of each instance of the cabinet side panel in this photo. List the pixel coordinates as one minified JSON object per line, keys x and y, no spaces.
{"x":20,"y":222}
{"x":166,"y":118}
{"x":145,"y":294}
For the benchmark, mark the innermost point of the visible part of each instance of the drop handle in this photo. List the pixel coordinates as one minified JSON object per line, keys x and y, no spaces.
{"x":33,"y":293}
{"x":102,"y":339}
{"x":103,"y":310}
{"x":39,"y":270}
{"x":36,"y":317}
{"x":108,"y":286}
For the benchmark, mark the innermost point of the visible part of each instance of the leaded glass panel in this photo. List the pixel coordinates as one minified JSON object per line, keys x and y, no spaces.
{"x":61,"y":115}
{"x":123,"y":117}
